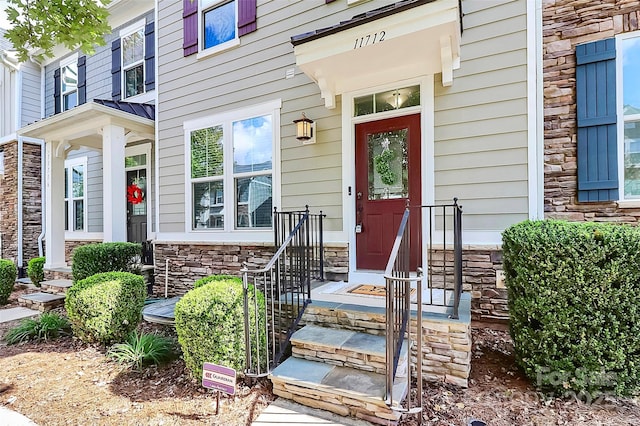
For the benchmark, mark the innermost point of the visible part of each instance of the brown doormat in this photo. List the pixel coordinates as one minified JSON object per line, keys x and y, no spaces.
{"x":373,"y":290}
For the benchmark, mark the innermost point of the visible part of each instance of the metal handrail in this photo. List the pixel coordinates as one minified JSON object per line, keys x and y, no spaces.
{"x":284,"y":287}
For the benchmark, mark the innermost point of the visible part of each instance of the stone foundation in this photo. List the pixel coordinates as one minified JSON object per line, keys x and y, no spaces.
{"x":71,"y":245}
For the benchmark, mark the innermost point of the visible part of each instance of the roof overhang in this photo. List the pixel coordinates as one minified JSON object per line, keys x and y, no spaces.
{"x":82,"y":126}
{"x":414,"y":39}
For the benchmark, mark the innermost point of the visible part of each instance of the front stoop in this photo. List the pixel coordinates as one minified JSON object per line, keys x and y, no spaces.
{"x":56,"y":286}
{"x":42,"y":302}
{"x":341,"y":390}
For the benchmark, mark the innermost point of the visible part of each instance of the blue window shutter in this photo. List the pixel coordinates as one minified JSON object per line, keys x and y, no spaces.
{"x":190,"y":27}
{"x":57,"y":105}
{"x":82,"y":80}
{"x":596,"y":115}
{"x":246,"y":17}
{"x":116,"y":79}
{"x":149,"y":57}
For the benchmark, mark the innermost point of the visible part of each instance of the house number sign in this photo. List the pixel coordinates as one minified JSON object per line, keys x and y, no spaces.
{"x":370,"y":39}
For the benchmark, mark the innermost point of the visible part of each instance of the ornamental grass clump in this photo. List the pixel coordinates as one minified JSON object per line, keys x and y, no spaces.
{"x":143,"y":349}
{"x":49,"y":325}
{"x":574,"y":305}
{"x":210,"y":323}
{"x":106,"y":307}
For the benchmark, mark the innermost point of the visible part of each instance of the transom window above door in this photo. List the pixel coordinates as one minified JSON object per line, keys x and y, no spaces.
{"x":386,"y":101}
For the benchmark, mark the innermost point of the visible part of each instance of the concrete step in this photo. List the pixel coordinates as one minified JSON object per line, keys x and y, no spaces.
{"x":341,"y":390}
{"x":42,"y":302}
{"x":12,"y":314}
{"x":345,"y":348}
{"x":56,"y":286}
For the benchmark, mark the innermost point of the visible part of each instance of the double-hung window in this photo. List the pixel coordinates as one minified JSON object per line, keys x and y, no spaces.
{"x":219,"y":23}
{"x":133,"y":42}
{"x":69,"y":83}
{"x":630,"y":114}
{"x":231,"y":169}
{"x":75,"y":193}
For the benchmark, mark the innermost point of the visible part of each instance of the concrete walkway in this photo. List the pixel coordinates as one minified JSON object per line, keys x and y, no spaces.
{"x":12,"y":314}
{"x":11,"y":418}
{"x":283,"y":412}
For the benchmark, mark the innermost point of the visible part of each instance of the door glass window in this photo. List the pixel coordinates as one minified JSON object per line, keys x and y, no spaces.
{"x":137,"y":192}
{"x":388,"y":175}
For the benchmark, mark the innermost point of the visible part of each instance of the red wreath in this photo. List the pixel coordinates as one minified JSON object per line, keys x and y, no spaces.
{"x":134,"y":194}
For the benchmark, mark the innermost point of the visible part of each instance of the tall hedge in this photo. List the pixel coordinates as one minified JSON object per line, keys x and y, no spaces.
{"x":92,"y":259}
{"x":574,"y":304}
{"x":106,"y":307}
{"x":210,"y":323}
{"x":8,"y":274}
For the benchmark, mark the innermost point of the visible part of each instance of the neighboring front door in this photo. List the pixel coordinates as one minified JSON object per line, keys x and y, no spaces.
{"x":136,"y":170}
{"x":388,"y":162}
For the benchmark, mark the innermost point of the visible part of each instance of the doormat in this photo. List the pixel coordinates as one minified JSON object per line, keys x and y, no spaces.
{"x":373,"y":290}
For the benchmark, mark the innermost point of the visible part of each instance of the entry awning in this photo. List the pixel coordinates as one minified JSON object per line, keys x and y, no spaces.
{"x":401,"y":41}
{"x":82,"y":125}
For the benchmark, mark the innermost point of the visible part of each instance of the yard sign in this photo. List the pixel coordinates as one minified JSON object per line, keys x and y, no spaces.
{"x":219,"y":377}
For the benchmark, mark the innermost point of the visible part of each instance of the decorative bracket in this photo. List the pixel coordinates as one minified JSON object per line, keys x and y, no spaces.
{"x":327,"y":94}
{"x":446,"y":59}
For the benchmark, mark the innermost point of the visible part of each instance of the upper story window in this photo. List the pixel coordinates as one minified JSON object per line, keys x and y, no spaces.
{"x":133,"y":62}
{"x":210,"y":26}
{"x":75,"y":192}
{"x":218,"y":23}
{"x":230,"y":179}
{"x":69,"y":83}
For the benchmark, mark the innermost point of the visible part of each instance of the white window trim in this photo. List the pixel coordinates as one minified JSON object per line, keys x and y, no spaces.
{"x":68,"y":164}
{"x":125,"y":32}
{"x":226,"y":120}
{"x":622,"y":202}
{"x":202,"y":52}
{"x":71,"y":59}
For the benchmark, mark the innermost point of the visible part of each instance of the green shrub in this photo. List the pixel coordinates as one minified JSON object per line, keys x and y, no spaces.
{"x":574,"y":304}
{"x":48,"y":326}
{"x":212,"y":278}
{"x":106,"y":307}
{"x":93,"y":259}
{"x":7,"y":279}
{"x":35,"y":270}
{"x":210,"y":324}
{"x":143,"y":349}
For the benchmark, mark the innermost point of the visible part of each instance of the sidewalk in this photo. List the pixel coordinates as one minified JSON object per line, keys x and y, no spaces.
{"x":11,"y":418}
{"x":287,"y":413}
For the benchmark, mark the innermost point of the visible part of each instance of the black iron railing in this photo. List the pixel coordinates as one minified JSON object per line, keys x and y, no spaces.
{"x":281,"y":290}
{"x":444,"y":282}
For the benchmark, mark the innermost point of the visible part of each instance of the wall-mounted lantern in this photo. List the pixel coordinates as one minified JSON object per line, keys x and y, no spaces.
{"x":305,"y":130}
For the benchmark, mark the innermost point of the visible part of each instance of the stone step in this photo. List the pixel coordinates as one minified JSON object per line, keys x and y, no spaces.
{"x":56,"y":286}
{"x":341,"y":390}
{"x":42,"y":302}
{"x":345,"y":348}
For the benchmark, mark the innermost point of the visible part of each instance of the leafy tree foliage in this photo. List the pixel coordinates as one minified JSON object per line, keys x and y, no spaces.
{"x":44,"y":24}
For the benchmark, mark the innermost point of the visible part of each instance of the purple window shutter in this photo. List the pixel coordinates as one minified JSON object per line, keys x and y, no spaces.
{"x":329,"y":1}
{"x":246,"y":17}
{"x":190,"y":26}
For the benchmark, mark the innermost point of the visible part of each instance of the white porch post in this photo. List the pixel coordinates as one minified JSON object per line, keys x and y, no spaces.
{"x":54,"y":232}
{"x":114,"y":183}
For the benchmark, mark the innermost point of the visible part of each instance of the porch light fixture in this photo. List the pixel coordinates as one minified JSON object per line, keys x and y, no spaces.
{"x":305,"y":130}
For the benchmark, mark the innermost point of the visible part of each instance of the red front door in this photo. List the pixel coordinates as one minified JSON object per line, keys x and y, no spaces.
{"x":388,"y":161}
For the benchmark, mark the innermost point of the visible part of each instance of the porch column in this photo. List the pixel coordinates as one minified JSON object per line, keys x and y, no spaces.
{"x":114,"y":184}
{"x":55,"y":211}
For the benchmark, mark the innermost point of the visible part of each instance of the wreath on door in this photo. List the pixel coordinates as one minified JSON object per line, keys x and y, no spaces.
{"x":134,"y":194}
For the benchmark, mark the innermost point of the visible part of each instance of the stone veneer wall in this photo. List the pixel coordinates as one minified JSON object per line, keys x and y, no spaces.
{"x":31,"y":199}
{"x":71,"y":245}
{"x":566,"y":23}
{"x":446,"y":343}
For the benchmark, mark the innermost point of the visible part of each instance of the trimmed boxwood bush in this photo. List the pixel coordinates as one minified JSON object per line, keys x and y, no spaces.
{"x":211,"y":278}
{"x":210,"y":324}
{"x":574,"y":305}
{"x":92,"y":259}
{"x":106,"y":307}
{"x":8,"y":274}
{"x":35,"y":270}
